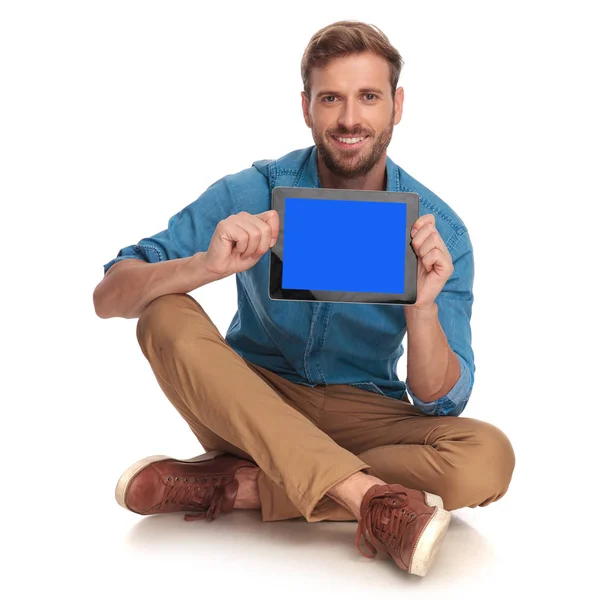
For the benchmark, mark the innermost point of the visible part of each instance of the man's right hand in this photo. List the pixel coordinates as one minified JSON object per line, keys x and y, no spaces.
{"x":240,"y":241}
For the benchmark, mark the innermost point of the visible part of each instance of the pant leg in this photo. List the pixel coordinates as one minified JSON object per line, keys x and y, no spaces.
{"x":466,"y":461}
{"x":215,"y":389}
{"x":208,"y":439}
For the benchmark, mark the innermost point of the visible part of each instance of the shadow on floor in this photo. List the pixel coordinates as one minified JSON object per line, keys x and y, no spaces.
{"x":317,"y":547}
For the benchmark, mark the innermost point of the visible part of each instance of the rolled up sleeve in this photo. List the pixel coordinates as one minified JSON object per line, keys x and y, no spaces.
{"x":455,"y":303}
{"x":187,"y":232}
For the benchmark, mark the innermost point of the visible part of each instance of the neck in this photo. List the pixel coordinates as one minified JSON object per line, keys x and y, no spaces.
{"x":375,"y":179}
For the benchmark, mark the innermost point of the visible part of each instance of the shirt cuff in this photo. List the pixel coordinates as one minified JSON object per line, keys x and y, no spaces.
{"x":145,"y":252}
{"x":454,"y":402}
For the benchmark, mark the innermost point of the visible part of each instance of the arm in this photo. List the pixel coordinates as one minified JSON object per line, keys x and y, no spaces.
{"x":433,"y":367}
{"x":441,"y":367}
{"x":171,"y":261}
{"x":130,"y":285}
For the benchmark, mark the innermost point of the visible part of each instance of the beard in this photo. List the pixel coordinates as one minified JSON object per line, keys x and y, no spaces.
{"x":351,"y":164}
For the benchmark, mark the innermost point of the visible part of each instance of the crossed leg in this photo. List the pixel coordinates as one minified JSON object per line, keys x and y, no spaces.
{"x":311,"y":442}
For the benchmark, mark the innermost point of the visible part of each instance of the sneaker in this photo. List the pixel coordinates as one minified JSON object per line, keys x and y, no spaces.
{"x":160,"y":484}
{"x":406,"y":524}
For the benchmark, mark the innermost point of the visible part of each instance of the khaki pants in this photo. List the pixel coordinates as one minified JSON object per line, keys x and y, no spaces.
{"x":306,"y":440}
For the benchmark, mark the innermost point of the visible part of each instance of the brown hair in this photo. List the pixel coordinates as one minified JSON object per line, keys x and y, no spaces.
{"x":348,"y":37}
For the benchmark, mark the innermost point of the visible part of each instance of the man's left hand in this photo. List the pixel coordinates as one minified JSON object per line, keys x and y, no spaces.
{"x":434,"y":261}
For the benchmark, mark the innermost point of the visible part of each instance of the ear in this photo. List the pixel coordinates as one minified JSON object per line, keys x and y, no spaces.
{"x":306,"y":109}
{"x":398,"y":104}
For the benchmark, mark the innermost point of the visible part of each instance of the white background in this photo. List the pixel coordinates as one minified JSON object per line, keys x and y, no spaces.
{"x":115,"y":115}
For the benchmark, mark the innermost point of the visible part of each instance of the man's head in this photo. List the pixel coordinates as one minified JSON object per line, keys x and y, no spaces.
{"x":350,"y":73}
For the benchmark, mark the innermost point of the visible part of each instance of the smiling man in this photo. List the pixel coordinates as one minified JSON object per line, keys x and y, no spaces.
{"x":352,"y":119}
{"x":299,"y":406}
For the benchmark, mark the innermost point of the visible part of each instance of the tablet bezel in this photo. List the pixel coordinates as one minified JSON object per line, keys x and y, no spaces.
{"x":276,"y":292}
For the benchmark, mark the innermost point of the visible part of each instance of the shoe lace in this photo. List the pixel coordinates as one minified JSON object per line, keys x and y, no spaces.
{"x":385,"y":520}
{"x":205,"y":499}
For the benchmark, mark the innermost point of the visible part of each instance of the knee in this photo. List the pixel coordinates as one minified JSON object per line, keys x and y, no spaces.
{"x":483,"y":472}
{"x":495,"y":456}
{"x":159,"y":321}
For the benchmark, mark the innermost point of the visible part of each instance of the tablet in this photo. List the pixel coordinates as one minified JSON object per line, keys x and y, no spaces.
{"x":344,"y":246}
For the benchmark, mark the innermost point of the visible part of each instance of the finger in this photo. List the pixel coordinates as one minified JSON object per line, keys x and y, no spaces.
{"x":271,"y":217}
{"x":433,"y":240}
{"x":265,"y":238}
{"x":422,"y":234}
{"x":254,"y":227}
{"x":422,"y":221}
{"x":435,"y":256}
{"x":254,"y":234}
{"x":266,"y":241}
{"x":240,"y":236}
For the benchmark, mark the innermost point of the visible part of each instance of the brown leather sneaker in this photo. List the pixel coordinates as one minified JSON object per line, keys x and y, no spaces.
{"x":406,"y":524}
{"x":160,"y":484}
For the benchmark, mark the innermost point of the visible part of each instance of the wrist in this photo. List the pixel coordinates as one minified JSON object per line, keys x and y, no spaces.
{"x":199,"y":271}
{"x":424,"y":312}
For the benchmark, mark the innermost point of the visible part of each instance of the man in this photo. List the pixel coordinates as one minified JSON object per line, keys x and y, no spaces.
{"x":299,"y":406}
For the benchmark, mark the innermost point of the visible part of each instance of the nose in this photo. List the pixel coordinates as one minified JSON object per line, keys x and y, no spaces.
{"x":349,"y":116}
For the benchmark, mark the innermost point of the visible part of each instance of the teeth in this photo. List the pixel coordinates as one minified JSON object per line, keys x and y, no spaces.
{"x":354,"y":140}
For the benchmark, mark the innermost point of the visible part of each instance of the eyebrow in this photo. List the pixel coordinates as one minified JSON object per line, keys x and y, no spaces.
{"x":362,"y":91}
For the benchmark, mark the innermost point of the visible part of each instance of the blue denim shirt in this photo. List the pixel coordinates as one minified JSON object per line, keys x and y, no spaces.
{"x":319,"y":343}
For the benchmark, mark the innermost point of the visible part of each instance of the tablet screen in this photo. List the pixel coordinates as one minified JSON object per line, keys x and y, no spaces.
{"x":344,"y":245}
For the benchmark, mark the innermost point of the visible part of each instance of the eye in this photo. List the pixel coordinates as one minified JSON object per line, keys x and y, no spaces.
{"x":374,"y":97}
{"x":325,"y":99}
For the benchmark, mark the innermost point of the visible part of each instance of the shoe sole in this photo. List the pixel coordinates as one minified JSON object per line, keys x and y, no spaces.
{"x":431,"y":537}
{"x":128,"y":475}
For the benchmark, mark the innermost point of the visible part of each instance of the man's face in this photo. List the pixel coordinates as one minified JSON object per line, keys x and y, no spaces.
{"x":351,"y":97}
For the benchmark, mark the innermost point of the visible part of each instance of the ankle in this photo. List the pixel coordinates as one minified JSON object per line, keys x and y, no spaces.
{"x":350,"y":492}
{"x":247,"y":495}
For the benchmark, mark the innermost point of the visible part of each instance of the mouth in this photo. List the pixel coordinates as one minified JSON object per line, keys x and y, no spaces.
{"x":348,"y":142}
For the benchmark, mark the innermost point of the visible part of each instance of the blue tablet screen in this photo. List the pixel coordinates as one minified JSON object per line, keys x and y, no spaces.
{"x":344,"y":245}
